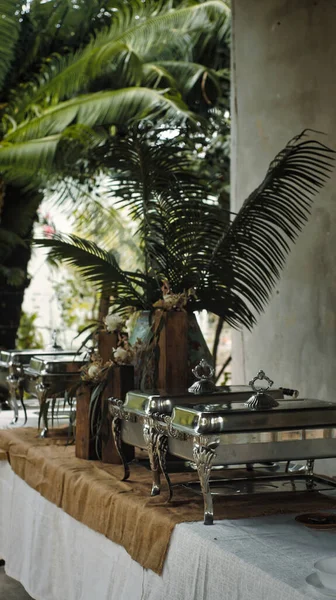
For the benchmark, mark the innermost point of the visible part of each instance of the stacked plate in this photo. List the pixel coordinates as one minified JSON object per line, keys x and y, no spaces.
{"x":324,"y":578}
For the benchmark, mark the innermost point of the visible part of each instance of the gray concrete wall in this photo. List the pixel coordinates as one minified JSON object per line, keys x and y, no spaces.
{"x":284,"y":80}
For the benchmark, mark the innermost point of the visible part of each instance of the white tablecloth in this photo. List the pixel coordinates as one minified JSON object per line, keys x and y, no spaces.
{"x":58,"y":558}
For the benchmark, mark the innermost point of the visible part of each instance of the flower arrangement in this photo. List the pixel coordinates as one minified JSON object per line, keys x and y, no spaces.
{"x":95,"y":371}
{"x":171,"y":301}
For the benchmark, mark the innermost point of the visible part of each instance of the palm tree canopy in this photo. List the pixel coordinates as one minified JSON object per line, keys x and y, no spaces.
{"x":146,"y":62}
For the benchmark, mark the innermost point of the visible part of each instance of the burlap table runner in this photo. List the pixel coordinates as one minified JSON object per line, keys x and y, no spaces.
{"x":124,"y":512}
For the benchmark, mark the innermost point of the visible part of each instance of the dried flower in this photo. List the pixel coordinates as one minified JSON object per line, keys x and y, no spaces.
{"x":114,"y":322}
{"x":93,"y":371}
{"x":120,"y":355}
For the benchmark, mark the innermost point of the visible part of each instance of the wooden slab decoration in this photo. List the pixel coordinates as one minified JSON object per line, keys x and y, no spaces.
{"x":85,"y":443}
{"x":86,"y":446}
{"x":173,"y":346}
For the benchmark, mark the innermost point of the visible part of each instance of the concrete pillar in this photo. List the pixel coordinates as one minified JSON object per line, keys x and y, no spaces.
{"x":284,"y":80}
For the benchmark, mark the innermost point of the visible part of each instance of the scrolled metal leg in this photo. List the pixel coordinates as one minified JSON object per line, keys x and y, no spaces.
{"x":15,"y":409}
{"x":116,"y":433}
{"x":13,"y":384}
{"x":204,"y":457}
{"x":150,"y":437}
{"x":42,"y":392}
{"x":161,"y":448}
{"x":23,"y":405}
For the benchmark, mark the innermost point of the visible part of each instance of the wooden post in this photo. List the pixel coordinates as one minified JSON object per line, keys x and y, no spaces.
{"x":120,"y":381}
{"x":85,"y":443}
{"x":106,"y":342}
{"x":173,"y":347}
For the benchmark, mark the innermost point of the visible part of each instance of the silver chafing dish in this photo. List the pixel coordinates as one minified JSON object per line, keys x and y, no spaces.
{"x":51,"y":375}
{"x":140,"y":419}
{"x":224,"y":429}
{"x":12,"y":363}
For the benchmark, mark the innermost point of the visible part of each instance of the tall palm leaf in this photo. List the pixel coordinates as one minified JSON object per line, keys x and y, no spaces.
{"x":99,"y":267}
{"x":252,"y":253}
{"x":118,"y":107}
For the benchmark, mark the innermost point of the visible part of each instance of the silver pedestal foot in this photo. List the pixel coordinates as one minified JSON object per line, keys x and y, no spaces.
{"x":116,"y":434}
{"x":204,"y":456}
{"x":310,"y":474}
{"x":162,"y":448}
{"x":44,"y":433}
{"x":150,"y":437}
{"x":42,"y":394}
{"x":14,"y":393}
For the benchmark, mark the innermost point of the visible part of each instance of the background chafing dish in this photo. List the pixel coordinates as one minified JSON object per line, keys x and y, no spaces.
{"x":295,"y":430}
{"x":52,"y":375}
{"x":12,"y":363}
{"x":141,"y":418}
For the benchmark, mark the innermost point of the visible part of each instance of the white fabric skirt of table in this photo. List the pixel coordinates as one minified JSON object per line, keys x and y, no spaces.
{"x":55,"y":557}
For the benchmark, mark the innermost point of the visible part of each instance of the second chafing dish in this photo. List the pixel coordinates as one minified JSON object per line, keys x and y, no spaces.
{"x":296,"y":430}
{"x":50,"y":376}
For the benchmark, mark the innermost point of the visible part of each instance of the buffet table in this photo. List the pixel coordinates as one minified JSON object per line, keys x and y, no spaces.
{"x":56,"y":556}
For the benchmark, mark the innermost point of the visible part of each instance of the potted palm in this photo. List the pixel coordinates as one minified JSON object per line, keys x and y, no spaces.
{"x":226,"y":267}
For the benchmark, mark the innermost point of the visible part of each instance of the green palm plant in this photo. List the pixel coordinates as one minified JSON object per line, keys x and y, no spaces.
{"x":93,"y":64}
{"x":188,"y":239}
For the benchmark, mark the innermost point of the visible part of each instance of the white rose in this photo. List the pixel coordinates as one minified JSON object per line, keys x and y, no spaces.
{"x":93,"y":371}
{"x":120,"y":355}
{"x":114,"y":322}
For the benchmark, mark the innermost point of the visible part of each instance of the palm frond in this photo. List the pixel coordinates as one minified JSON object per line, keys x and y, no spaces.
{"x":10,"y":27}
{"x":25,"y":163}
{"x":118,"y":107}
{"x":188,"y":74}
{"x":97,"y":265}
{"x":249,"y":257}
{"x":133,"y":30}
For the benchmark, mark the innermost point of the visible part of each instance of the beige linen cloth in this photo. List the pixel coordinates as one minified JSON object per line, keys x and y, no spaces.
{"x":124,"y":512}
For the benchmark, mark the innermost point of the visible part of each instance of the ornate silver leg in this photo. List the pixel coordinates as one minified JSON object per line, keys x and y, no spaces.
{"x":310,"y":473}
{"x":42,"y":392}
{"x":204,"y":455}
{"x":161,"y":448}
{"x":116,"y":433}
{"x":13,"y":383}
{"x":150,"y":437}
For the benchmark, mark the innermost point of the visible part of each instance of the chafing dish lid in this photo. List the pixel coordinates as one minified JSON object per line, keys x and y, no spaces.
{"x":18,"y":356}
{"x":150,"y":402}
{"x":293,"y":414}
{"x":23,"y":357}
{"x":60,"y":363}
